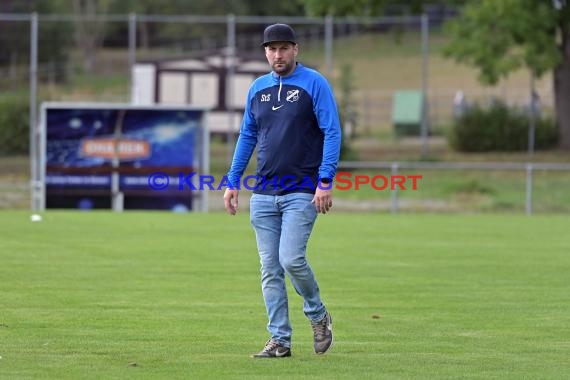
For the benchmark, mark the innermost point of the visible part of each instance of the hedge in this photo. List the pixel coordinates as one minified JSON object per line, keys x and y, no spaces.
{"x":14,"y":125}
{"x":499,"y":128}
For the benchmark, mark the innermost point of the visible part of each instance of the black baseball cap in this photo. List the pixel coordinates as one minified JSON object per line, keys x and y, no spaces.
{"x":278,"y":32}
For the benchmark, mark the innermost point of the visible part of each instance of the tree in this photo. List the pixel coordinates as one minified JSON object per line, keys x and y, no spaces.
{"x":344,"y":7}
{"x":152,"y":31}
{"x":346,"y":106}
{"x":369,"y":7}
{"x":88,"y":30}
{"x":53,"y":38}
{"x":499,"y":37}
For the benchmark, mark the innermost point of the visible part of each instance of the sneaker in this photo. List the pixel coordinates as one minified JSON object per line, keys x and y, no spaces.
{"x":273,"y":349}
{"x":322,"y":334}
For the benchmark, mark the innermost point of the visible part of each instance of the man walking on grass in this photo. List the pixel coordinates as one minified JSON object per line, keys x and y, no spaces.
{"x":292,"y":118}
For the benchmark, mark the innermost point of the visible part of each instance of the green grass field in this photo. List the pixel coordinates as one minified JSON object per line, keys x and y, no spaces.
{"x":176,"y":296}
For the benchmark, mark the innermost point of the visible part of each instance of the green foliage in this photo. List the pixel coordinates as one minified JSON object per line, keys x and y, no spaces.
{"x":14,"y":125}
{"x":54,"y":38}
{"x":368,"y":7}
{"x":207,"y":7}
{"x":343,"y":7}
{"x":347,"y":110}
{"x":499,"y":128}
{"x":152,"y":34}
{"x":499,"y":37}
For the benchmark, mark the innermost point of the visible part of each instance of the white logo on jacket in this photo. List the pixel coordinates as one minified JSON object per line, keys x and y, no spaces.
{"x":292,"y":96}
{"x":265,"y":97}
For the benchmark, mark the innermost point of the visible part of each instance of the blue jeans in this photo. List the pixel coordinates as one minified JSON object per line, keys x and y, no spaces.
{"x":283,"y":224}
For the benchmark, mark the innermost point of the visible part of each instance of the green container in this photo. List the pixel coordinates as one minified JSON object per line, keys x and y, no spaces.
{"x":407,"y":113}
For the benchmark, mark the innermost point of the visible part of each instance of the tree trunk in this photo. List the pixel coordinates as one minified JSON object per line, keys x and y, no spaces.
{"x":562,"y":101}
{"x":562,"y":92}
{"x":144,"y":33}
{"x":88,"y":33}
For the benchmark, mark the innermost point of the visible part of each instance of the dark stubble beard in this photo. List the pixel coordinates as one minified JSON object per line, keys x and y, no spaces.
{"x":284,"y":70}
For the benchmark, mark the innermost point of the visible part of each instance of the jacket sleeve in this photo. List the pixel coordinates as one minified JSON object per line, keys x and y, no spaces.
{"x":326,"y":111}
{"x":246,"y":143}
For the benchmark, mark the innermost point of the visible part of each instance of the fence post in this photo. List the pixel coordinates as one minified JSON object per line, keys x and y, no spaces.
{"x":425,"y":59}
{"x":132,"y":51}
{"x":529,"y":189}
{"x":394,"y":191}
{"x":36,"y":186}
{"x":329,"y":45}
{"x":205,"y":162}
{"x":229,"y":95}
{"x":532,"y":115}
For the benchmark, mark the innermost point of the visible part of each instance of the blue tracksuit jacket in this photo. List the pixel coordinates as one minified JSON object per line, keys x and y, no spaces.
{"x":293,"y":121}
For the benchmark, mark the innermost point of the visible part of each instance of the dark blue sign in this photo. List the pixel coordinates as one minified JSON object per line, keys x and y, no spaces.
{"x":89,"y":148}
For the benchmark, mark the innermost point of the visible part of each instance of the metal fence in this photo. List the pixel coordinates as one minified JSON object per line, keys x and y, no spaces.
{"x":72,"y":57}
{"x":90,"y":58}
{"x":396,"y":168}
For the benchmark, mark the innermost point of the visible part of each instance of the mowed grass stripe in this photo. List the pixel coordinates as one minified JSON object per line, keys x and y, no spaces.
{"x":160,"y":295}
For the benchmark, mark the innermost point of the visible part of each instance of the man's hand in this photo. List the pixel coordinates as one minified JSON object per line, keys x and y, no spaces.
{"x":231,"y":201}
{"x":323,"y":199}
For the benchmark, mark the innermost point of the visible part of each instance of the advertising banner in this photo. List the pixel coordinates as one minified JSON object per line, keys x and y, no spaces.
{"x":100,"y":156}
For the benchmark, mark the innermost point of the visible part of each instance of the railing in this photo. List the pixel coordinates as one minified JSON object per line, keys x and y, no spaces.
{"x":394,"y":167}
